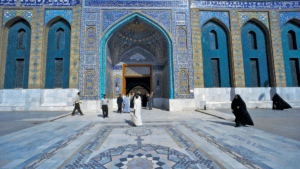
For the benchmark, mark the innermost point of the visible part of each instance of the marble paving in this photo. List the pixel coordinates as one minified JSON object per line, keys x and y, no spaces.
{"x":184,"y":139}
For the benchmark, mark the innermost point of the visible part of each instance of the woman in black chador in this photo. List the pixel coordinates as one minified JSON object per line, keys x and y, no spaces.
{"x":279,"y":103}
{"x":240,"y":112}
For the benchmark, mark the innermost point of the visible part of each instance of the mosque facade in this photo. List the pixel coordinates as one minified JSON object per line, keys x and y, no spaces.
{"x":193,"y":54}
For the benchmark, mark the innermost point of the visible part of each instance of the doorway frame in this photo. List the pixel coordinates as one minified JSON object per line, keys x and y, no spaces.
{"x":136,"y":76}
{"x":114,"y":27}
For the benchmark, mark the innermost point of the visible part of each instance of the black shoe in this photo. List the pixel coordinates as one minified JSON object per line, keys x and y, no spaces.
{"x":72,"y":114}
{"x":237,"y":125}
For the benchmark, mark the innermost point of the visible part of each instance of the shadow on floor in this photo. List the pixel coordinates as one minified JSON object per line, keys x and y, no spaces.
{"x":223,"y":123}
{"x":130,"y":123}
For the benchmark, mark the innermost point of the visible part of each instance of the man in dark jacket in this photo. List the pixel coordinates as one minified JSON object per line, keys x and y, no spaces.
{"x":150,"y":100}
{"x":120,"y":102}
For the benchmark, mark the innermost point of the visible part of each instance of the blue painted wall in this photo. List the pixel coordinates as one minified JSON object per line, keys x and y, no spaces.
{"x":290,"y":53}
{"x":221,"y":53}
{"x":53,"y":53}
{"x":13,"y":53}
{"x":260,"y":53}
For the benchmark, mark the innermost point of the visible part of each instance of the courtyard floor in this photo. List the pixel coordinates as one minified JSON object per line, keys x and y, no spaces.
{"x":183,"y":139}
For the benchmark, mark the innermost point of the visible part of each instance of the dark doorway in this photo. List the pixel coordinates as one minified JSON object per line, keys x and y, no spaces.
{"x":142,"y":85}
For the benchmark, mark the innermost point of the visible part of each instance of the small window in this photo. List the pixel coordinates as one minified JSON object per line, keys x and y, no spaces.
{"x":21,"y":39}
{"x":58,"y":73}
{"x":291,"y":37}
{"x":60,"y":39}
{"x":213,"y":40}
{"x":215,"y":72}
{"x":252,"y":40}
{"x":19,"y":73}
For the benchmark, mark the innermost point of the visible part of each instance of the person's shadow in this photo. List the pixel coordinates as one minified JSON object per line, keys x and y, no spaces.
{"x":130,"y":123}
{"x":223,"y":123}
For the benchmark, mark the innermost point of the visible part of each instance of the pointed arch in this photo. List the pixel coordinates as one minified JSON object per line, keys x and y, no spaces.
{"x":213,"y":33}
{"x":292,"y":20}
{"x":266,"y":66}
{"x":217,"y":21}
{"x":4,"y":40}
{"x":114,"y":27}
{"x":290,"y":36}
{"x":15,"y":57}
{"x":57,"y":60}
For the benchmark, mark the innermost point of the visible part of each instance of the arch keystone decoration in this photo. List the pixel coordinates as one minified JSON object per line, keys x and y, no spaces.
{"x":118,"y":24}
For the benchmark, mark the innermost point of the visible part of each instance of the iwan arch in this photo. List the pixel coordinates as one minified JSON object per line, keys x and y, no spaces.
{"x":190,"y":53}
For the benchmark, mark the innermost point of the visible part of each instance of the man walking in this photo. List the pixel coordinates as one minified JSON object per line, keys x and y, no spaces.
{"x":150,"y":100}
{"x":120,"y":102}
{"x":104,"y":107}
{"x":76,"y":103}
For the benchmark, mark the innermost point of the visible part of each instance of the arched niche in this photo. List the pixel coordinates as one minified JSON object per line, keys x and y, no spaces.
{"x":57,"y":61}
{"x":15,"y":53}
{"x":258,"y":62}
{"x":215,"y":44}
{"x":290,"y":36}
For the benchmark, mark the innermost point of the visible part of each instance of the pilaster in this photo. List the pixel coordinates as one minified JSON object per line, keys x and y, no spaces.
{"x":237,"y":51}
{"x":75,"y":47}
{"x":197,"y":49}
{"x":1,"y":53}
{"x":36,"y":49}
{"x":277,"y":59}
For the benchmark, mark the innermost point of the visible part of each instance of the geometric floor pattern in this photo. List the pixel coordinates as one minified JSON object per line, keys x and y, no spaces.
{"x":165,"y":140}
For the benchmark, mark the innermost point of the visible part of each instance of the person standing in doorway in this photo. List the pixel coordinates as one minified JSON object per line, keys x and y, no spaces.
{"x":150,"y":100}
{"x":120,"y":102}
{"x":76,"y":103}
{"x":126,"y":104}
{"x":104,"y":107}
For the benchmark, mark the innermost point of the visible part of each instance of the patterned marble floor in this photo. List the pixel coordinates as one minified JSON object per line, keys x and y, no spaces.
{"x":166,"y":140}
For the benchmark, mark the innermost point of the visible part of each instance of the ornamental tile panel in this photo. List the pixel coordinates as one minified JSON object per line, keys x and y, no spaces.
{"x":110,"y":17}
{"x":286,"y":16}
{"x":204,"y":16}
{"x":261,"y":16}
{"x":9,"y":14}
{"x":50,"y":14}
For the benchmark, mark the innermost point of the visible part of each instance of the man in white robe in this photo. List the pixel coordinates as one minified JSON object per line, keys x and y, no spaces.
{"x":137,"y":111}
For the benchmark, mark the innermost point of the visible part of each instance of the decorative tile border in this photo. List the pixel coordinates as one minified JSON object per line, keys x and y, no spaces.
{"x":41,"y":159}
{"x":127,"y":3}
{"x":50,"y":14}
{"x":246,"y":5}
{"x":286,"y":16}
{"x":39,"y":3}
{"x":126,"y":153}
{"x":234,"y":155}
{"x":9,"y":14}
{"x":204,"y":16}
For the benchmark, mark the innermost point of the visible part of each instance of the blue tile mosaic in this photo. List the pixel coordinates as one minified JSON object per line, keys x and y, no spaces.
{"x":286,"y":16}
{"x":50,"y":14}
{"x":110,"y":17}
{"x":246,"y":5}
{"x":137,"y":55}
{"x":204,"y":16}
{"x":163,"y":17}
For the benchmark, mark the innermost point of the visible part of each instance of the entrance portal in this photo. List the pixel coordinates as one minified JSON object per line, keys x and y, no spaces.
{"x":137,"y":78}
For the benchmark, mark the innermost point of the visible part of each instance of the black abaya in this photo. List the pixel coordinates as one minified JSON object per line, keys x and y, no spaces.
{"x":279,"y":103}
{"x":241,"y":113}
